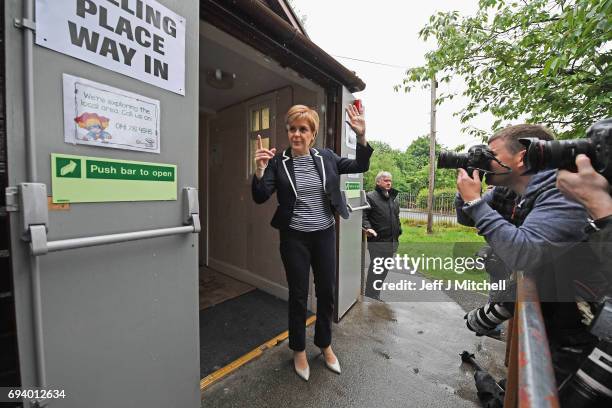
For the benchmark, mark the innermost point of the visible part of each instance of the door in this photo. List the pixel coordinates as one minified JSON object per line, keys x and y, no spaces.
{"x":113,"y":324}
{"x":243,"y":244}
{"x":349,"y":230}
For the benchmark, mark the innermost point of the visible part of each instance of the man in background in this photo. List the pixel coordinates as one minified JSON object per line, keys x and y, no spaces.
{"x":382,"y":225}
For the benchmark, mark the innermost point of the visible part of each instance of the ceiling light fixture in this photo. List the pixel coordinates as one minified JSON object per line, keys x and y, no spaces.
{"x":219,"y":79}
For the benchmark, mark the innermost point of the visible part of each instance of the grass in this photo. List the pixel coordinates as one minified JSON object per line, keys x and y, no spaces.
{"x":446,"y":241}
{"x":415,"y":231}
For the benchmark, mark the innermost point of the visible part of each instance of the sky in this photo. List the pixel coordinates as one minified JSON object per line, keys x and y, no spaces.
{"x":386,"y":31}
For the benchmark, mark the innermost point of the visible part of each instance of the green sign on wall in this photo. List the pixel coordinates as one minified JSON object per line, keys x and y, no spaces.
{"x":81,"y":179}
{"x":353,"y":189}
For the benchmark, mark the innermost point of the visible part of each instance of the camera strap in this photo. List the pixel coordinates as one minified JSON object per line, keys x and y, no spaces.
{"x":493,"y":158}
{"x":508,"y":169}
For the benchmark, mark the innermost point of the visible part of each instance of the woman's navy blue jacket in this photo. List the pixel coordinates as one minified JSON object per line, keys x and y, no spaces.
{"x":279,"y":176}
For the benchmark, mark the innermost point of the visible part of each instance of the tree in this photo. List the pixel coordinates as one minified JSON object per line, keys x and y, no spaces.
{"x":418,"y":151}
{"x":385,"y":158}
{"x":410,"y":169}
{"x":546,"y":59}
{"x":416,"y":159}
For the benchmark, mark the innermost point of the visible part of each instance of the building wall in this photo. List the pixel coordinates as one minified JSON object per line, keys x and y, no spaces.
{"x":120,"y":322}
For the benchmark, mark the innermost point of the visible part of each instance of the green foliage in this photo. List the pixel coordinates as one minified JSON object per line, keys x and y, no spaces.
{"x":384,"y":158}
{"x":546,"y":59}
{"x":443,"y":178}
{"x":410,"y":169}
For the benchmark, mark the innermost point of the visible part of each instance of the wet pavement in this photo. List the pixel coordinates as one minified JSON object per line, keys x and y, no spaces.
{"x":397,"y":354}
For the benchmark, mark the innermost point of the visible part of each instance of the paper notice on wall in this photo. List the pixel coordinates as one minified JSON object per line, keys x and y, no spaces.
{"x":100,"y":115}
{"x":352,"y":157}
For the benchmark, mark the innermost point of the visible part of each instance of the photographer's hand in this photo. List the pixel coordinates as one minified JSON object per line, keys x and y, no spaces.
{"x":468,"y":187}
{"x":587,"y":187}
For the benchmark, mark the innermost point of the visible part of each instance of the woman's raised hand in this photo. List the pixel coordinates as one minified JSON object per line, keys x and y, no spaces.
{"x":356,"y":120}
{"x":262,"y":157}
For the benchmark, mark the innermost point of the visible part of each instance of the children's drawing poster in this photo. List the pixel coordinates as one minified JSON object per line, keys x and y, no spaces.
{"x":100,"y":115}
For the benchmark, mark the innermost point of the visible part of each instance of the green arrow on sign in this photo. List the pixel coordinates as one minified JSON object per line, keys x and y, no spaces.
{"x":69,"y":168}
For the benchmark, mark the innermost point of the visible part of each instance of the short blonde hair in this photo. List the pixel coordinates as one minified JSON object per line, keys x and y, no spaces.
{"x":297,"y":112}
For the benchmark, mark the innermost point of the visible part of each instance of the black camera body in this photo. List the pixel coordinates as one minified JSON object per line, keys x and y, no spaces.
{"x":478,"y":157}
{"x":561,"y":154}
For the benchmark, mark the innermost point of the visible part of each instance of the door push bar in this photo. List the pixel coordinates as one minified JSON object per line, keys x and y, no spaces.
{"x":364,"y":206}
{"x":35,"y":217}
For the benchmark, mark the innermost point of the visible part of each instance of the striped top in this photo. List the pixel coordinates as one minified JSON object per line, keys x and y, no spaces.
{"x":312,"y":210}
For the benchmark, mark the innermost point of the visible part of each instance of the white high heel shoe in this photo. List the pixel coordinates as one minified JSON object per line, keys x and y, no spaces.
{"x":303,"y":373}
{"x":335,"y":367}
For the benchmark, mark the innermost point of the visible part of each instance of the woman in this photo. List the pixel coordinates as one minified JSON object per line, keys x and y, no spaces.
{"x":307,"y":182}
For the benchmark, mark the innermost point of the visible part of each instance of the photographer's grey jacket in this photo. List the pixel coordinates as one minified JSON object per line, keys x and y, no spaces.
{"x":554,"y":223}
{"x":279,"y":176}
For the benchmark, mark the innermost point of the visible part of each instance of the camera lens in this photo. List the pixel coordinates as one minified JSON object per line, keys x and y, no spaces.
{"x":591,"y":385}
{"x":477,"y":157}
{"x":452,"y":160}
{"x":555,"y":154}
{"x":488,"y":317}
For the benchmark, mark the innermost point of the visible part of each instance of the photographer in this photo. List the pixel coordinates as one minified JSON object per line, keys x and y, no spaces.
{"x":591,"y":385}
{"x":592,"y":190}
{"x":530,"y":227}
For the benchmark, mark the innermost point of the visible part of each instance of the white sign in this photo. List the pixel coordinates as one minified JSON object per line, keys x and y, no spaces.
{"x":138,"y":38}
{"x":100,"y":115}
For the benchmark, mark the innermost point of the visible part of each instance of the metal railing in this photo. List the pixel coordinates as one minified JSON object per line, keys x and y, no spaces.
{"x":411,"y":208}
{"x":421,"y":216}
{"x":443,"y":204}
{"x":531,"y":380}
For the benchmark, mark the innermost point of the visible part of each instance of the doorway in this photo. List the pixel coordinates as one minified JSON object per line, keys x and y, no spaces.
{"x":243,"y":289}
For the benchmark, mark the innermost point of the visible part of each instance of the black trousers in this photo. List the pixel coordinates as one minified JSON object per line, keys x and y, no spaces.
{"x":299,"y":251}
{"x":378,"y":250}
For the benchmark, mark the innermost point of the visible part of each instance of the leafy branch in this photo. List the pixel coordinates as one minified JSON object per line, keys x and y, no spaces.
{"x":547,"y":60}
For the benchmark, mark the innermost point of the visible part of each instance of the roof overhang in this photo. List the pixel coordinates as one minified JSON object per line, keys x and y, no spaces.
{"x":286,"y":12}
{"x":256,"y":24}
